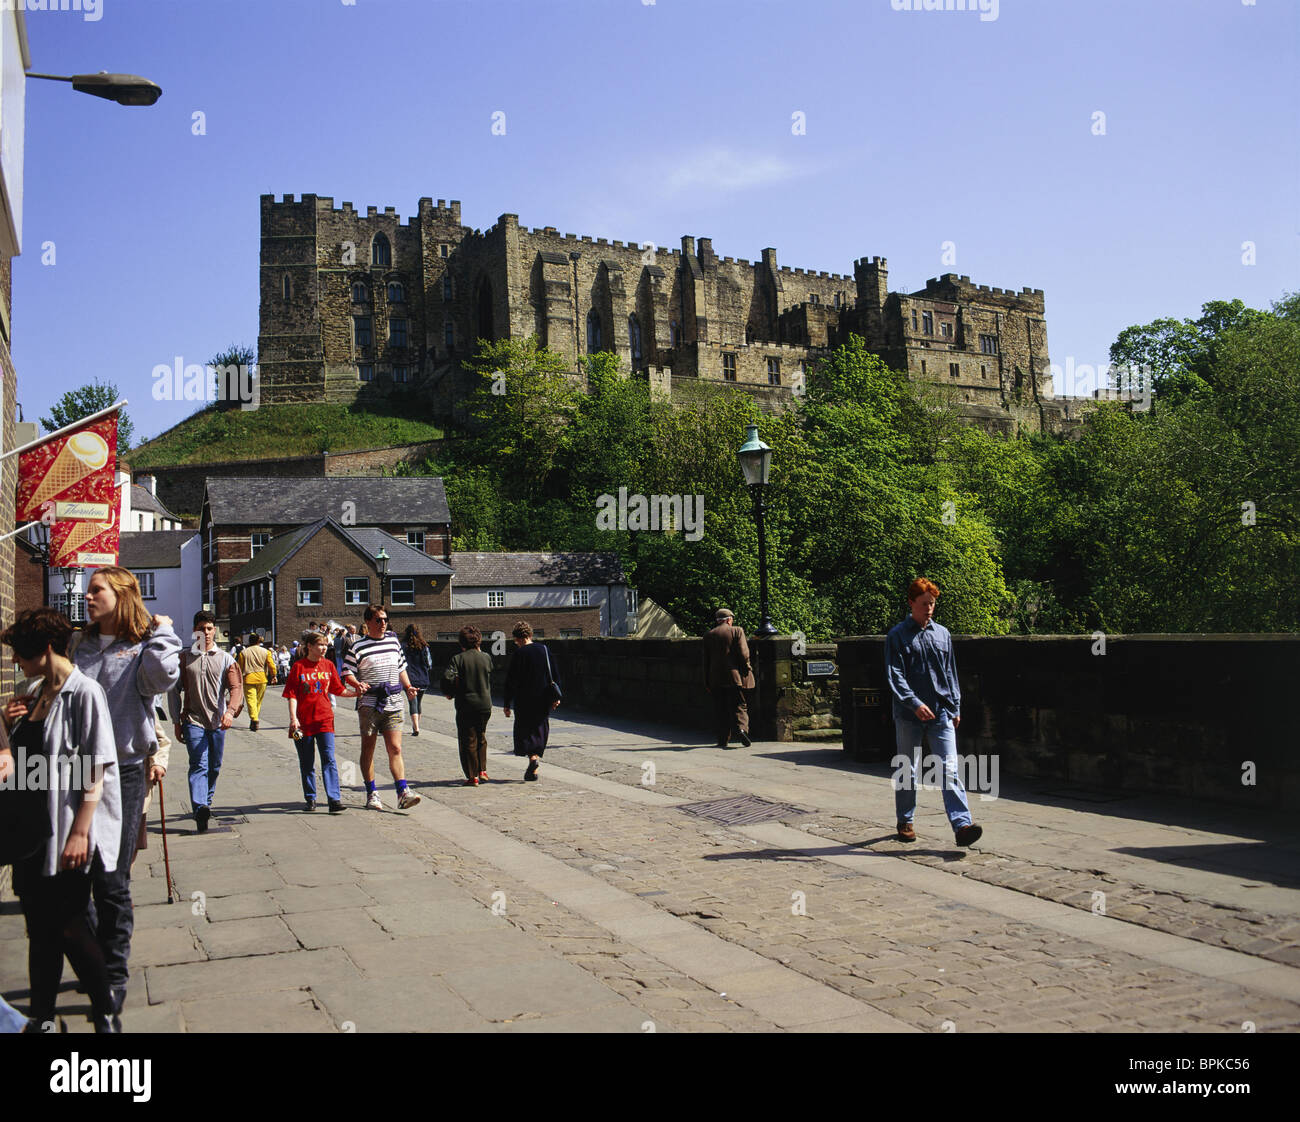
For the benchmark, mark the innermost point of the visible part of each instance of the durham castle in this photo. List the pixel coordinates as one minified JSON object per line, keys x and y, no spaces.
{"x":356,"y":304}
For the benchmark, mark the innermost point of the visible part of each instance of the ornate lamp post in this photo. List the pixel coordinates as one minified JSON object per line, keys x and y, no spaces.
{"x":71,"y":576}
{"x":381,"y":564}
{"x":755,"y":463}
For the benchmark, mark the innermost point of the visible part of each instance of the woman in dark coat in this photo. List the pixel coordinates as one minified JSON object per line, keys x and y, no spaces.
{"x":529,"y":692}
{"x":468,"y":680}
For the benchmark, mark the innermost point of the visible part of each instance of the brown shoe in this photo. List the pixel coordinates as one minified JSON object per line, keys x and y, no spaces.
{"x":905,"y":832}
{"x":969,"y":835}
{"x":252,"y":726}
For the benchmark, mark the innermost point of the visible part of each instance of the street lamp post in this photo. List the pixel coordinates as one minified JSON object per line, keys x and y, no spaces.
{"x":755,"y":463}
{"x":125,"y":89}
{"x":381,"y":564}
{"x":70,"y":575}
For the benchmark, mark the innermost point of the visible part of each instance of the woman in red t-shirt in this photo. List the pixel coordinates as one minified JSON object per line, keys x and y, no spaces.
{"x":311,"y":716}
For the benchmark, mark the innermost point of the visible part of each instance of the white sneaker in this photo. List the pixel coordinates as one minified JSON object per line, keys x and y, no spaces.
{"x":409,"y":799}
{"x":372,"y":801}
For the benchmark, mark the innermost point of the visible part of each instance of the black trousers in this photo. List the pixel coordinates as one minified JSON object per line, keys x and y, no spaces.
{"x":471,"y":736}
{"x":111,"y":913}
{"x":730,"y":711}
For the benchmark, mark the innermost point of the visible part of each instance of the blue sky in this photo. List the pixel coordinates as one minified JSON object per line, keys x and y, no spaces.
{"x":646,"y":121}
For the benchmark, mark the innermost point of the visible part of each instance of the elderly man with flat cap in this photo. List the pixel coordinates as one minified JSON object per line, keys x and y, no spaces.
{"x":727,"y":674}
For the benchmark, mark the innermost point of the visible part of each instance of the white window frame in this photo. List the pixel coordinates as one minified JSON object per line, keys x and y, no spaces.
{"x":581,"y":598}
{"x":415,"y":539}
{"x":500,"y":597}
{"x":256,"y":545}
{"x":148,"y":585}
{"x":407,"y":586}
{"x":348,"y":594}
{"x":307,"y":602}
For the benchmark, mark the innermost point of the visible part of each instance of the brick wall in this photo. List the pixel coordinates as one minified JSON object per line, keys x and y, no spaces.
{"x":8,"y":476}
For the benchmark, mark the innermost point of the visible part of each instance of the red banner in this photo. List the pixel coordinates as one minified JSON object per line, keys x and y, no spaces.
{"x":70,"y":478}
{"x":85,"y":545}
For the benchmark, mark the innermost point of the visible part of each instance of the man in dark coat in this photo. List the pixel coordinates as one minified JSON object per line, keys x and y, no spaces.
{"x":727,"y":674}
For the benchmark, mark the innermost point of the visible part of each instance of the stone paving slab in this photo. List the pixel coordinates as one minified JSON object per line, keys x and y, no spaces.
{"x":239,"y":938}
{"x":290,"y":1010}
{"x":262,"y":973}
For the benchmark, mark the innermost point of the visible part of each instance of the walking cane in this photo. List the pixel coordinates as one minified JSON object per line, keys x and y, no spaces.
{"x":172,"y":890}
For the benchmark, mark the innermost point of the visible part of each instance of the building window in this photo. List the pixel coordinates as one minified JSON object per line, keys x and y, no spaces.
{"x":539,"y":633}
{"x":581,"y":597}
{"x":443,"y":249}
{"x":446,"y":287}
{"x":366,"y":372}
{"x":146,"y":585}
{"x":415,"y":539}
{"x":309,"y":593}
{"x":397,"y":332}
{"x":449,"y":336}
{"x":593,"y":331}
{"x":496,"y":599}
{"x":380,"y":251}
{"x":396,"y":293}
{"x":211,"y":556}
{"x":922,"y":366}
{"x":258,"y":542}
{"x":402,"y":592}
{"x":984,"y":371}
{"x":674,"y":333}
{"x":361,"y":330}
{"x":927,"y":323}
{"x":954,"y":371}
{"x":729,"y":366}
{"x":401,"y":373}
{"x":570,"y":632}
{"x":634,"y":336}
{"x":356,"y":590}
{"x":773,"y":371}
{"x":359,"y":293}
{"x":913,"y":319}
{"x":945,"y":331}
{"x":286,"y":287}
{"x":988,"y":344}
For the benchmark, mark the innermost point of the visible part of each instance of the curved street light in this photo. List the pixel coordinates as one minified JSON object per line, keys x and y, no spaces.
{"x":125,"y":89}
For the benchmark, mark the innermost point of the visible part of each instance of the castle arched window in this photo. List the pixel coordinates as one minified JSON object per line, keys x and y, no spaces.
{"x":396,"y":293}
{"x":674,"y":333}
{"x":446,"y":286}
{"x":593,"y":331}
{"x":359,"y":293}
{"x":634,"y":336}
{"x":286,"y":287}
{"x":381,"y":252}
{"x":485,"y":318}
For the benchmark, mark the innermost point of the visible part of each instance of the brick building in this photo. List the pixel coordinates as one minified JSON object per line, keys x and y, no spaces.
{"x":354,"y":304}
{"x":241,"y":516}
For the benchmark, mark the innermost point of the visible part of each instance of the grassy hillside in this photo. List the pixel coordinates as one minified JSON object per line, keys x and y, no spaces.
{"x":282,"y":430}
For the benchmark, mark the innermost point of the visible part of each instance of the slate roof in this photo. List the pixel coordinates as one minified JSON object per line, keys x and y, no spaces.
{"x":142,"y":499}
{"x":500,"y":570}
{"x":405,"y":560}
{"x":235,"y":500}
{"x":152,"y":549}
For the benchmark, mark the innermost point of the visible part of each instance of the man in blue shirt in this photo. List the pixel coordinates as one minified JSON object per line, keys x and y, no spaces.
{"x":922,"y":675}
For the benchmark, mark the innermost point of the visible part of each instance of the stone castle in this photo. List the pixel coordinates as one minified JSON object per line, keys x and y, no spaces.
{"x":356,"y":305}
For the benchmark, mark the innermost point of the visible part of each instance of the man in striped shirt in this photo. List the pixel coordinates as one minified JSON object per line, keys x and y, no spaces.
{"x":376,"y":668}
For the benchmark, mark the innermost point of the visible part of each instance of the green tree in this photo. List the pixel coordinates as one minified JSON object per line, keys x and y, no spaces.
{"x":236,"y":355}
{"x":84,"y":401}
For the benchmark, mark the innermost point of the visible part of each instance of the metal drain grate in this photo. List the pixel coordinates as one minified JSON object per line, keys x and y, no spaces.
{"x":741,"y":810}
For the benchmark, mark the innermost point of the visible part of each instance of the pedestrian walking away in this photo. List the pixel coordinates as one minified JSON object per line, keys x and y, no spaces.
{"x":532,"y":690}
{"x":468,"y":681}
{"x":419,"y":661}
{"x":63,"y":715}
{"x":257,"y":665}
{"x":922,"y":673}
{"x":135,"y":657}
{"x":312,"y":680}
{"x":727,"y":675}
{"x":204,"y":703}
{"x":376,"y":668}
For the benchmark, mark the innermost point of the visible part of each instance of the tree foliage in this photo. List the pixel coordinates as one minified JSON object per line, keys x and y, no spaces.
{"x":85,"y":400}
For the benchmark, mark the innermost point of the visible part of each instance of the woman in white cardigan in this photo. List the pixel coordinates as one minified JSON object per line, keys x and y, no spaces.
{"x":61,"y":736}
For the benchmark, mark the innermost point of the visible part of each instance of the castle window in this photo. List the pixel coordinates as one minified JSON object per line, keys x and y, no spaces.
{"x":989,"y":344}
{"x":396,"y":293}
{"x":839,"y":299}
{"x":366,"y":372}
{"x":593,"y":331}
{"x":287,"y":287}
{"x":729,"y":365}
{"x":397,"y":332}
{"x":913,"y":319}
{"x":361,"y":330}
{"x":945,"y":330}
{"x":954,"y":371}
{"x":380,"y":251}
{"x":927,"y":323}
{"x":674,"y":333}
{"x":401,"y":373}
{"x":449,"y":336}
{"x":443,"y":249}
{"x":814,"y":298}
{"x":984,"y":371}
{"x":922,"y":366}
{"x":446,"y":287}
{"x":634,"y":336}
{"x":773,"y":371}
{"x":359,"y":293}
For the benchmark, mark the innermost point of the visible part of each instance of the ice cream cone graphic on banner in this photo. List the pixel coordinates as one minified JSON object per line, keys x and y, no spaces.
{"x":83,"y":544}
{"x":73,"y":471}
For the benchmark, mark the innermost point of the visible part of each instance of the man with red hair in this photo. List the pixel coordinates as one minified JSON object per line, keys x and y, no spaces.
{"x":922,"y":673}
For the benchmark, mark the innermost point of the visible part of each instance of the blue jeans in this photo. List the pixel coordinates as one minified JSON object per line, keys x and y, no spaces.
{"x":943,"y":744}
{"x":206,"y":748}
{"x":307,"y":747}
